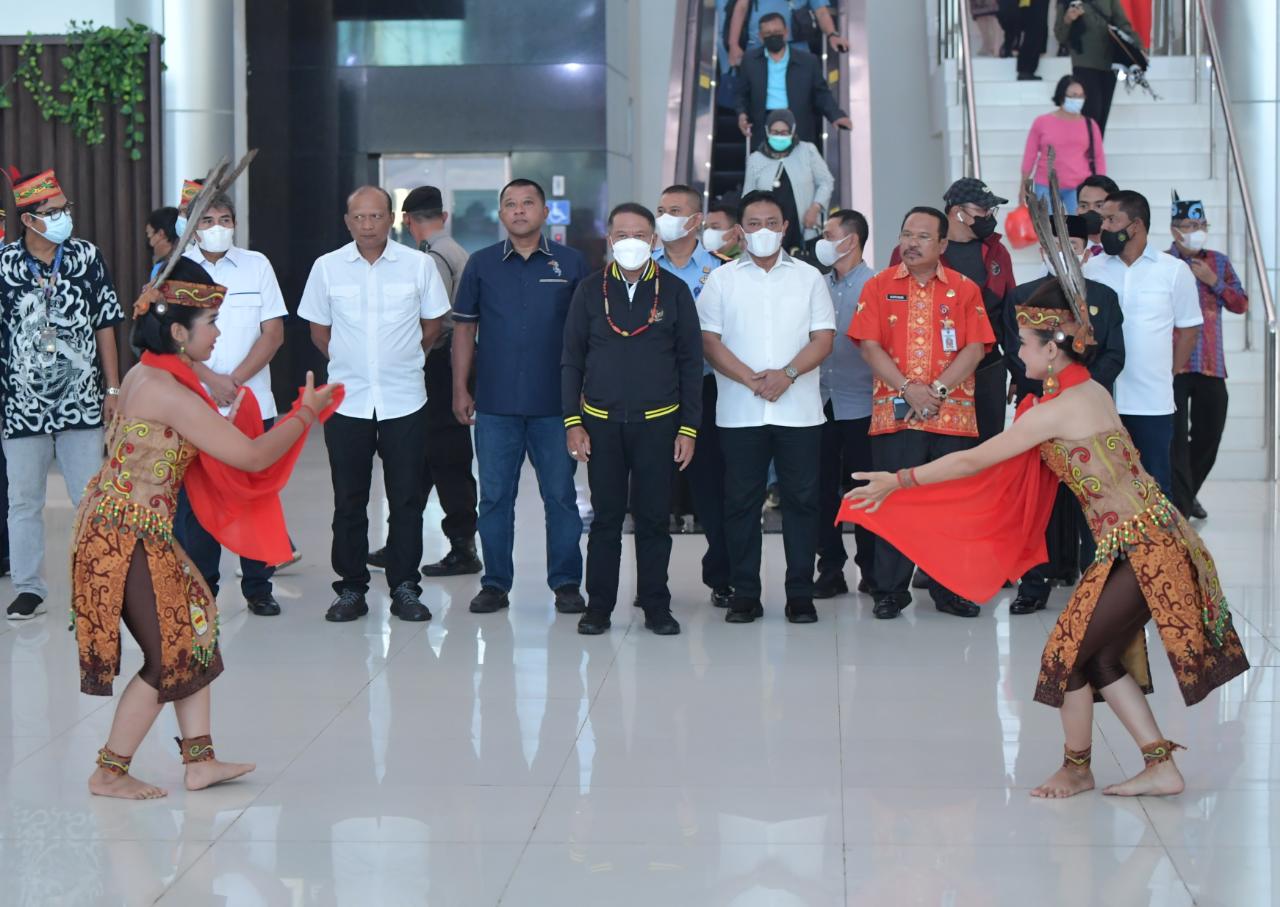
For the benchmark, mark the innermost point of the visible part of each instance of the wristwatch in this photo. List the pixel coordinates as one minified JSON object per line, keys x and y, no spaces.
{"x":941,"y":389}
{"x":791,"y":373}
{"x":113,"y":392}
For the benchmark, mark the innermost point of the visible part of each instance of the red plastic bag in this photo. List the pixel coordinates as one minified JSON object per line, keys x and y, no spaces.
{"x":1018,"y":228}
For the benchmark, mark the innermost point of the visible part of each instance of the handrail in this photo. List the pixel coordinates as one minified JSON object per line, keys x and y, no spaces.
{"x":973,"y":155}
{"x":954,"y":17}
{"x":1271,"y":413}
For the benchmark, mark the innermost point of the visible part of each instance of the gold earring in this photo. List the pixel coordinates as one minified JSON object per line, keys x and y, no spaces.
{"x":182,"y":349}
{"x":1050,"y":382}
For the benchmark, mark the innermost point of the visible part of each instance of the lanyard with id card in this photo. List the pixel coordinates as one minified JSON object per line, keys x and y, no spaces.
{"x":949,"y":344}
{"x":46,"y":333}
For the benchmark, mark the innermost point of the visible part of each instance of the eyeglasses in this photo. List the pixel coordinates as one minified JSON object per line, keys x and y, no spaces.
{"x":54,"y":212}
{"x":369,"y":218}
{"x":1190,"y":226}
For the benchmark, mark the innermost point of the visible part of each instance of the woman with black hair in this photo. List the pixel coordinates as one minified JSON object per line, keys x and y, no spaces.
{"x":980,"y":517}
{"x":126,"y":565}
{"x":1075,"y":139}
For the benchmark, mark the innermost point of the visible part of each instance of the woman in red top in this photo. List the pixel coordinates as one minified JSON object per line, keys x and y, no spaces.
{"x":980,"y":518}
{"x":126,"y":566}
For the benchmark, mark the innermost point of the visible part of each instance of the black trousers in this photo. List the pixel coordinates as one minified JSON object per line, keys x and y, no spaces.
{"x":846,"y":449}
{"x":630,"y":461}
{"x":990,"y":399}
{"x":1099,"y":88}
{"x":352,"y":445}
{"x":1198,"y":421}
{"x":794,"y":452}
{"x":706,"y":482}
{"x":449,"y":452}
{"x":1070,"y":546}
{"x":906,"y":449}
{"x":1035,"y":35}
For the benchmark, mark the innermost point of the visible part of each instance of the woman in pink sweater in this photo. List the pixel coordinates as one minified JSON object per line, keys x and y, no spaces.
{"x":1076,"y":139}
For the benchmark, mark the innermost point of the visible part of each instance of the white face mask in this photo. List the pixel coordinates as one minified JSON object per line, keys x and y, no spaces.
{"x":672,"y":227}
{"x":713,"y":239}
{"x":764,"y":242}
{"x":1195,"y":240}
{"x":216,"y":239}
{"x":1073,"y":105}
{"x":630,"y":254}
{"x":828,"y":252}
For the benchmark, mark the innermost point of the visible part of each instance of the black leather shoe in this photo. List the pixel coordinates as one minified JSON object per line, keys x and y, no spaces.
{"x":920,"y":580}
{"x":489,"y":600}
{"x":830,"y":586}
{"x":570,"y":601}
{"x":460,"y":561}
{"x":744,"y":611}
{"x":264,"y":606}
{"x":1027,"y":604}
{"x":406,"y":606}
{"x":722,"y":597}
{"x":593,"y":623}
{"x":958,"y":607}
{"x":661,"y":623}
{"x":377,"y":560}
{"x":1029,"y":77}
{"x":1197,"y":513}
{"x":887,"y":607}
{"x":864,"y":586}
{"x":802,"y":611}
{"x":349,"y":605}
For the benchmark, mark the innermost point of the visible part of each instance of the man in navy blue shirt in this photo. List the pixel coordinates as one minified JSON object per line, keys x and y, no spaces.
{"x":515,"y":295}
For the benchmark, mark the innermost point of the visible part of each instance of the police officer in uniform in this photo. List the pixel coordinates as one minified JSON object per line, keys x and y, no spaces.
{"x":679,"y":224}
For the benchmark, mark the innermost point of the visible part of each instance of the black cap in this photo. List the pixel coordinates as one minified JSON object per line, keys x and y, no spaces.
{"x":1077,"y":225}
{"x":972,"y":190}
{"x":424,"y":198}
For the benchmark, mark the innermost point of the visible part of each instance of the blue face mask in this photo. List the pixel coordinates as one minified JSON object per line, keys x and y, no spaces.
{"x":57,"y":227}
{"x":180,"y":225}
{"x":779,"y":142}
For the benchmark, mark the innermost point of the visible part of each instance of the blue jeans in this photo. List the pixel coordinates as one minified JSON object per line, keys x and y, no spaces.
{"x":502,"y":442}
{"x":1070,"y":201}
{"x":1153,"y":436}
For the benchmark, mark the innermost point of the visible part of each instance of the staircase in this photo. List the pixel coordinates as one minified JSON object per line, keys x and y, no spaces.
{"x":1151,"y":147}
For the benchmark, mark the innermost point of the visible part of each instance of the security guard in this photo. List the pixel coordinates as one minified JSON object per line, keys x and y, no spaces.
{"x":631,"y":392}
{"x":679,"y":227}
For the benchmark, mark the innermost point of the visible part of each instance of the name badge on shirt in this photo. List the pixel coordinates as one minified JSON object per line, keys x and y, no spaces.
{"x":898,"y":297}
{"x":949,"y":336}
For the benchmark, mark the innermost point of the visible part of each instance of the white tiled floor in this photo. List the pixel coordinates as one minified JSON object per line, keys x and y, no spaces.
{"x":492,"y":759}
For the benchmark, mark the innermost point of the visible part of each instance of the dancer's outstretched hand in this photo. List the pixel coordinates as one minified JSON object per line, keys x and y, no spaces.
{"x":317,"y":400}
{"x":869,"y":497}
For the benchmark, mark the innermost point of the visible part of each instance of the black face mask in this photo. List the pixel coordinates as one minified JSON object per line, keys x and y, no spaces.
{"x":1114,"y":241}
{"x":983,"y":227}
{"x":775,"y":43}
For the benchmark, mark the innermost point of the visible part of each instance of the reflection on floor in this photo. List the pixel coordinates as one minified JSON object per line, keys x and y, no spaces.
{"x":502,"y":758}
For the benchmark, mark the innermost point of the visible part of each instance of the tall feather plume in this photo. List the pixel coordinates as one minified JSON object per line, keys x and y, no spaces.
{"x":1050,"y":222}
{"x":218,"y":180}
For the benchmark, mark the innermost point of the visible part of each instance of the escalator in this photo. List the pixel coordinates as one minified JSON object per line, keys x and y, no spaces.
{"x":705,"y":148}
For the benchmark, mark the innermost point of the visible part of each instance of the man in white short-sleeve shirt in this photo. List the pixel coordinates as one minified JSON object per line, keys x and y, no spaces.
{"x":767,"y":325}
{"x":251,"y":331}
{"x":375,"y":307}
{"x":1162,"y":320}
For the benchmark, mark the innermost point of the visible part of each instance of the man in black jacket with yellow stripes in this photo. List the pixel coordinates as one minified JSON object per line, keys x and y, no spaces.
{"x":631,"y":386}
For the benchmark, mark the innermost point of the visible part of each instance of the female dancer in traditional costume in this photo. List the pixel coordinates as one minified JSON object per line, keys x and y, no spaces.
{"x":971,"y":534}
{"x":125,"y":563}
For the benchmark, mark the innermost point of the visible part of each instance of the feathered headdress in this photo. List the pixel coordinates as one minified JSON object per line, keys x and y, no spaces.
{"x":1056,"y":243}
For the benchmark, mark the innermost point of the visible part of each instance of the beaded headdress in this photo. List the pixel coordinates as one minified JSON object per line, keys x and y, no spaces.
{"x":1055,"y":240}
{"x":36,"y":189}
{"x":179,"y":292}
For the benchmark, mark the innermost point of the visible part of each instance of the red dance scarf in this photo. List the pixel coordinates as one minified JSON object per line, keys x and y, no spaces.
{"x":974,"y":533}
{"x":240,"y":509}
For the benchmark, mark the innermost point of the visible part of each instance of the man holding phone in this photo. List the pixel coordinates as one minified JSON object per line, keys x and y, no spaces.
{"x":923,"y":329}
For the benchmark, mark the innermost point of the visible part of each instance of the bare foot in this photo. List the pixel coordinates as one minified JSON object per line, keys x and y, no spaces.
{"x":206,"y":774}
{"x":1065,"y":782}
{"x":103,"y":783}
{"x":1160,"y":779}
